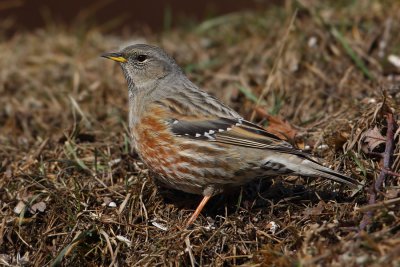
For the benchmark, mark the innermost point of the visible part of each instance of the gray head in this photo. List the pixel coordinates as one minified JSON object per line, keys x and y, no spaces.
{"x":144,"y":64}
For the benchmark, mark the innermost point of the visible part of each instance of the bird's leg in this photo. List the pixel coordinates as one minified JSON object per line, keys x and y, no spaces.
{"x":198,"y":210}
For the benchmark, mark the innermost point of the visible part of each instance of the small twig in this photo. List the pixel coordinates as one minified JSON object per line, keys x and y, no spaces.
{"x":189,"y":250}
{"x":40,"y":149}
{"x":387,"y":159}
{"x":387,"y":156}
{"x":367,"y":218}
{"x":379,"y":205}
{"x":392,"y":173}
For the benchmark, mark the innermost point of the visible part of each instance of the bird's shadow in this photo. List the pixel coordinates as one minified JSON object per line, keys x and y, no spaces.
{"x":253,"y":196}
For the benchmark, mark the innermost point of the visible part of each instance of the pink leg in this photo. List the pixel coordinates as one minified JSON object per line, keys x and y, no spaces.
{"x":198,"y":210}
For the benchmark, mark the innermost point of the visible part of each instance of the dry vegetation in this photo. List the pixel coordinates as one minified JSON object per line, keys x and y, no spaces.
{"x":73,"y":193}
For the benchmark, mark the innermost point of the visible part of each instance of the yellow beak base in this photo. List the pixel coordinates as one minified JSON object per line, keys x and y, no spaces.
{"x":118,"y":59}
{"x":115,"y":56}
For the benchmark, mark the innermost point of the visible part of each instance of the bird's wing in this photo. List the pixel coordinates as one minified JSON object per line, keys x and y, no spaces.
{"x":231,"y":131}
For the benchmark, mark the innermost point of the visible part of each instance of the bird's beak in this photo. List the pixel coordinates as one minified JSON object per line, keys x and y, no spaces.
{"x":115,"y":56}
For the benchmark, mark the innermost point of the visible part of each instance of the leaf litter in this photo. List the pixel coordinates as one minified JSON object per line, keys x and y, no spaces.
{"x":64,"y":143}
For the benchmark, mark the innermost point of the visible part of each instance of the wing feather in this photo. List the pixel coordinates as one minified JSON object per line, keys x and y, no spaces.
{"x":231,"y":131}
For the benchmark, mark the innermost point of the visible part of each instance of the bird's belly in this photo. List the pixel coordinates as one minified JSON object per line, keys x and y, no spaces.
{"x":190,"y":166}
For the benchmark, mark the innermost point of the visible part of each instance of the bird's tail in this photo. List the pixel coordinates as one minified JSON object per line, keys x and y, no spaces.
{"x":304,"y":166}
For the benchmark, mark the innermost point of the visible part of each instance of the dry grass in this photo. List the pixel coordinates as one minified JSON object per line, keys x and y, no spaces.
{"x":73,"y":192}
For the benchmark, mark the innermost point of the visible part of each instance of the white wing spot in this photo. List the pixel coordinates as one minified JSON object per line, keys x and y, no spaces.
{"x":198,"y":135}
{"x":211,"y":132}
{"x":208,"y":136}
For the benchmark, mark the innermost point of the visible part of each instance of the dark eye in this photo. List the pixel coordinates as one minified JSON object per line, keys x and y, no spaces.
{"x":141,"y":58}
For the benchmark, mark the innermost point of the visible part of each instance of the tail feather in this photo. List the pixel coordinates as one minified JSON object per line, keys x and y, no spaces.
{"x":304,"y":166}
{"x":325,"y":172}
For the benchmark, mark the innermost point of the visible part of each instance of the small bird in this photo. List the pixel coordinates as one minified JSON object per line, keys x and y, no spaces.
{"x":194,"y":142}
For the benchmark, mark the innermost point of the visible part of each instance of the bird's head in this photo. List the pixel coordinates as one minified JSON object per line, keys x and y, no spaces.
{"x":143,"y":65}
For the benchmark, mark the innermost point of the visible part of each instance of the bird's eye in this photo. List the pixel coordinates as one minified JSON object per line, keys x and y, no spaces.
{"x":141,"y":58}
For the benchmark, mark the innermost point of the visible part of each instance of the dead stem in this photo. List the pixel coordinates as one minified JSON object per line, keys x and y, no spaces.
{"x":387,"y":159}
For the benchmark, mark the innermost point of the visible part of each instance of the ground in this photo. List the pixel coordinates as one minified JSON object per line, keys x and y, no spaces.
{"x":326,"y":77}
